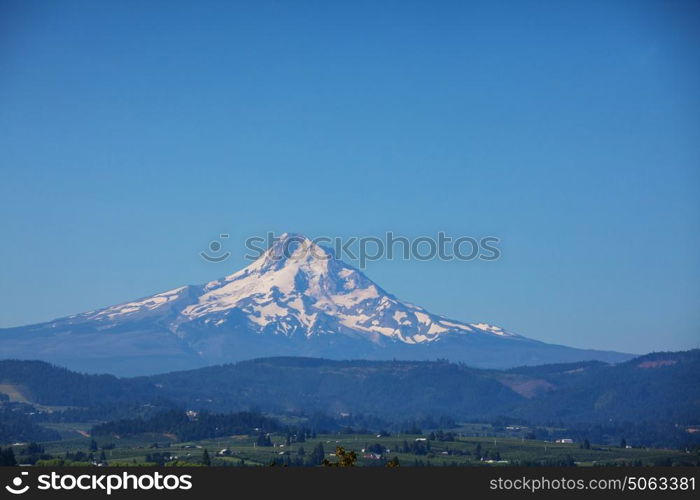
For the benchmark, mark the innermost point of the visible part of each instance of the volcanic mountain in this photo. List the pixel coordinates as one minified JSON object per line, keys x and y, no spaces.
{"x":297,"y":299}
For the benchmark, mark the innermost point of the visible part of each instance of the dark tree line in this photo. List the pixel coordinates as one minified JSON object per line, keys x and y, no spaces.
{"x":203,"y":426}
{"x":7,"y":457}
{"x":18,"y":425}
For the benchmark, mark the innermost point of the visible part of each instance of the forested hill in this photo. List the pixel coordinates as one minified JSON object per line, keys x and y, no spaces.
{"x":656,"y":387}
{"x":43,"y":383}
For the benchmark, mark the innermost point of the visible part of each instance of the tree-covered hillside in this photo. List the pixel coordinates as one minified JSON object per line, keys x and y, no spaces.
{"x":660,"y":388}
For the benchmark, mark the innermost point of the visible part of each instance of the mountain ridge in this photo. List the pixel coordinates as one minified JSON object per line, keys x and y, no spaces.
{"x":296,"y":299}
{"x":657,"y":387}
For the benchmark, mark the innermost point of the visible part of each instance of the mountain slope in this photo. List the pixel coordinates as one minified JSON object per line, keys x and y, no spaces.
{"x":655,"y":387}
{"x":663,"y":386}
{"x":296,"y":299}
{"x":659,"y":387}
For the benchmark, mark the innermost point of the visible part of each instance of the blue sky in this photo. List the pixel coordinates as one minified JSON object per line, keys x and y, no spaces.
{"x":133,"y":133}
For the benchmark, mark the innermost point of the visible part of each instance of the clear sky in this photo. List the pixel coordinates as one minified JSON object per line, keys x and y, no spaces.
{"x":133,"y":133}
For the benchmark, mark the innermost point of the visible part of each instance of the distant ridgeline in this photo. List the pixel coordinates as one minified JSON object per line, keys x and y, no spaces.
{"x":657,"y":394}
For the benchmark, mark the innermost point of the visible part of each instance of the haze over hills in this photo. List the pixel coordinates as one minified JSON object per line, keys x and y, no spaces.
{"x":297,"y":299}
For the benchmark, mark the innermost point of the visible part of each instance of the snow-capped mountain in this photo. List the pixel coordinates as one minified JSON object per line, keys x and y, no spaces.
{"x":296,"y":299}
{"x":297,"y":291}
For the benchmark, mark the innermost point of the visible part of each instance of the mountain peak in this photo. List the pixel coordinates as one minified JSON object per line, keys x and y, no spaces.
{"x":289,"y":249}
{"x":297,"y":298}
{"x":298,"y":288}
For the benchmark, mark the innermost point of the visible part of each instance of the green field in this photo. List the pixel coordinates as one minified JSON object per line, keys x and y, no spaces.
{"x":464,"y":450}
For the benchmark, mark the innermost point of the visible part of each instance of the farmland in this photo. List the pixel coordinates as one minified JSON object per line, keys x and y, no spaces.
{"x":459,"y":447}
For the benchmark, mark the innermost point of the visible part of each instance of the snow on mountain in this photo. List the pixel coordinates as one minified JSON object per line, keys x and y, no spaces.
{"x":299,"y":288}
{"x":142,"y":306}
{"x":297,"y":299}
